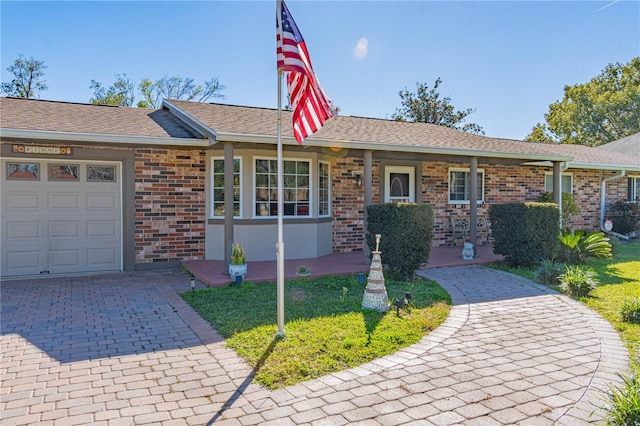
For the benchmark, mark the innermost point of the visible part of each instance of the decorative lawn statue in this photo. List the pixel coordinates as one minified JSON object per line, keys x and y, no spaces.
{"x":375,"y":294}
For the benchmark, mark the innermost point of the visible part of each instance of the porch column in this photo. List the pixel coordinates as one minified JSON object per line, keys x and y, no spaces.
{"x":557,"y":188}
{"x":368,"y":198}
{"x":228,"y":201}
{"x":473,"y":202}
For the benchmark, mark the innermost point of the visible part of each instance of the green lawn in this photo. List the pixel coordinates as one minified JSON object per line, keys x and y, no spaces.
{"x":619,"y":280}
{"x":326,"y":328}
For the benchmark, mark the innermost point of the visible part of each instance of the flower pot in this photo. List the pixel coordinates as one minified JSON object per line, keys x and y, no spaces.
{"x":235,"y":270}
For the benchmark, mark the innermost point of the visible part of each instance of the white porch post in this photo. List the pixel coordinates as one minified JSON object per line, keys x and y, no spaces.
{"x":557,"y":188}
{"x":228,"y":201}
{"x":473,"y":202}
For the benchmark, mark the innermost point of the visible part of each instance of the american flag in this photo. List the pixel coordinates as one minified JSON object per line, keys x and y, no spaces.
{"x":311,"y":107}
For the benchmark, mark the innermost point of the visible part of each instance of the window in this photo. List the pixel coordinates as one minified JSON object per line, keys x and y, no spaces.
{"x":399,"y":184}
{"x":634,"y":189}
{"x":459,"y":184}
{"x":324,"y":196}
{"x":218,"y":187}
{"x":566,"y":182}
{"x":296,"y":176}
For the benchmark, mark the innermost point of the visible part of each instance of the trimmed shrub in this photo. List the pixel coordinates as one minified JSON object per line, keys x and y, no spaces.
{"x":625,"y":217}
{"x":578,"y":281}
{"x":630,"y":310}
{"x":406,"y":230}
{"x":548,"y":272}
{"x":525,"y":233}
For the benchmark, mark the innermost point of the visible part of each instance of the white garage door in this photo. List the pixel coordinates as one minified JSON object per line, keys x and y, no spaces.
{"x":60,"y":217}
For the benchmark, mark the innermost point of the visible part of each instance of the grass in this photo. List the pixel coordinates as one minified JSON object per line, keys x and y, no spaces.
{"x":619,"y":280}
{"x":326,"y":328}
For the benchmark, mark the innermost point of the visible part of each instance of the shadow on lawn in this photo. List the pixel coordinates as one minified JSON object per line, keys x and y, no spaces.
{"x":245,"y":384}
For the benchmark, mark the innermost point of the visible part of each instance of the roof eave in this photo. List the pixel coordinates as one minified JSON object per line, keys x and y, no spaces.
{"x":601,"y":166}
{"x":101,"y":138}
{"x":323,"y":143}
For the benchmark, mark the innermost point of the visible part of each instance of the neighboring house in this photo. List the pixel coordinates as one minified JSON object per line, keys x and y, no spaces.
{"x":90,"y":188}
{"x":630,"y":146}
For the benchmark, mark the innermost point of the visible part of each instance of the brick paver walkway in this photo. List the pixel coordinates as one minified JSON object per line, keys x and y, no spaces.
{"x":126,"y":350}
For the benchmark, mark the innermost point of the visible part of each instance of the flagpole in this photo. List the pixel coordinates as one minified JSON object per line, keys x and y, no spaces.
{"x":280,"y":244}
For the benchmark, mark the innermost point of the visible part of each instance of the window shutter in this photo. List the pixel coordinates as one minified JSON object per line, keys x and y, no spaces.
{"x":630,"y":189}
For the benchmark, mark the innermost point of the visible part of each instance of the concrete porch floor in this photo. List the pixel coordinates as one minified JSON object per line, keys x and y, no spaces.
{"x":213,"y":273}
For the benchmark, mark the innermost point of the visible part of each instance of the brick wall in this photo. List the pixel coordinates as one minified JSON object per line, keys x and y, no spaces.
{"x":503,"y":184}
{"x":170,"y":204}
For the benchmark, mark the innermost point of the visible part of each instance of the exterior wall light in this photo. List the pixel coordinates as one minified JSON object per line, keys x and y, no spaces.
{"x":357,"y":174}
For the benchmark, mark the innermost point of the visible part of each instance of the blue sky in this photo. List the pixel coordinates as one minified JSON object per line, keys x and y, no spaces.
{"x":507,"y":59}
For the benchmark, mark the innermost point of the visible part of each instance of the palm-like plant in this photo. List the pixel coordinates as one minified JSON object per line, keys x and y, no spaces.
{"x":576,"y":246}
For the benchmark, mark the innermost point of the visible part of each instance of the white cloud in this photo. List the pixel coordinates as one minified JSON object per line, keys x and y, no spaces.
{"x":361,"y":49}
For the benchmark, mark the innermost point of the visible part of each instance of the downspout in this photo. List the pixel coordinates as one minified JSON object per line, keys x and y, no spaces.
{"x":603,"y":198}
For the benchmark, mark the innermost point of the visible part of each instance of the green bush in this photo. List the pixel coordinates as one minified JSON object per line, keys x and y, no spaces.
{"x":576,"y":246}
{"x":577,"y":281}
{"x":525,"y":233}
{"x":569,"y":208}
{"x":625,"y":217}
{"x":548,"y":272}
{"x":631,"y":310}
{"x":406,"y":230}
{"x":623,"y":403}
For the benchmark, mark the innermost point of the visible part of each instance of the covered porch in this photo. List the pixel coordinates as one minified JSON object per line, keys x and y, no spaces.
{"x":213,"y":273}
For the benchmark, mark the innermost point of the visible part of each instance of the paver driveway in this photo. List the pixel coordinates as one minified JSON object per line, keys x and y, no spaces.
{"x":126,"y":350}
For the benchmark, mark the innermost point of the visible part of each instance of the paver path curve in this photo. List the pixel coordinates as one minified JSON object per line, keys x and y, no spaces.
{"x":125,"y":349}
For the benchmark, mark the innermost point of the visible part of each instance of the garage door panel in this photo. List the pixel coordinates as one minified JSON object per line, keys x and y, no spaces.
{"x":106,"y":257}
{"x":64,"y":229}
{"x":23,"y":262}
{"x":102,"y":201}
{"x":63,"y":201}
{"x":103,"y":228}
{"x":22,"y":201}
{"x":22,"y":230}
{"x":64,"y":258}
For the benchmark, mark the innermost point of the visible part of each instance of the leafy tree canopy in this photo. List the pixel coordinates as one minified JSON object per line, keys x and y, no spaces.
{"x":605,"y":109}
{"x":122,"y":91}
{"x":426,"y":106}
{"x":27,"y":81}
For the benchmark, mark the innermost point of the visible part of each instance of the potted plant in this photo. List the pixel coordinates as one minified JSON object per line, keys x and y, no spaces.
{"x":238,"y":266}
{"x":303,"y":271}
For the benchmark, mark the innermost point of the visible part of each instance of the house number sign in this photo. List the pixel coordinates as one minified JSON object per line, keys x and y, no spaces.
{"x":35,"y":149}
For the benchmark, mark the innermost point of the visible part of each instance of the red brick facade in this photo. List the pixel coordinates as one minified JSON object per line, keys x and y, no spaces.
{"x":503,"y":184}
{"x":170,"y":204}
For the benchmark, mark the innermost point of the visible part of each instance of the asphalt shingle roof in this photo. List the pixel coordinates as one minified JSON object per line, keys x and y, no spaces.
{"x":32,"y":114}
{"x":232,"y":119}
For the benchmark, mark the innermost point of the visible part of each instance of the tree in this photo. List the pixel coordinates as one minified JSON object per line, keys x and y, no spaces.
{"x":177,"y":87}
{"x":120,"y":93}
{"x":27,"y":82}
{"x":426,"y":106}
{"x":602,"y":110}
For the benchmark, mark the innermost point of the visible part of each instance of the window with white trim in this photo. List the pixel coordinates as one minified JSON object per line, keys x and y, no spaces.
{"x":324,"y":189}
{"x":296,"y":177}
{"x":218,"y":187}
{"x":566,"y":182}
{"x":460,"y":183}
{"x":399,"y":184}
{"x":634,"y":189}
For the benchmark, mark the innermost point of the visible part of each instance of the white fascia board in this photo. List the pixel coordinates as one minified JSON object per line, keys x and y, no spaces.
{"x":598,"y":166}
{"x":101,"y":138}
{"x":588,"y":166}
{"x":272,"y":140}
{"x":191,"y":121}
